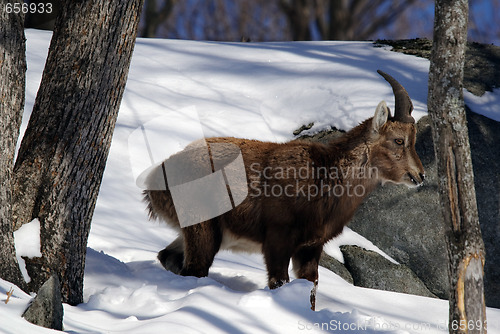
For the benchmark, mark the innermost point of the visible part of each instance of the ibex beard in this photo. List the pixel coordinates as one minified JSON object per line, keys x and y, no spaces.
{"x":292,"y":223}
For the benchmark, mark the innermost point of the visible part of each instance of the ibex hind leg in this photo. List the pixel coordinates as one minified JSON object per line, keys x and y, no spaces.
{"x":172,"y":257}
{"x":277,"y":253}
{"x":201,"y":243}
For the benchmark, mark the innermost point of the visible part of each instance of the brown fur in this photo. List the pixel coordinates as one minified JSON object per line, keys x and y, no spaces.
{"x":293,"y":227}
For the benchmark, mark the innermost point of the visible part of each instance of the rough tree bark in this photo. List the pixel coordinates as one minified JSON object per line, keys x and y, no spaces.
{"x":456,"y":182}
{"x":12,"y":86}
{"x":64,"y":150}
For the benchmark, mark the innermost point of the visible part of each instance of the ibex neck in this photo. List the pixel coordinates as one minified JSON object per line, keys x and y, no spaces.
{"x":353,"y":140}
{"x":348,"y":160}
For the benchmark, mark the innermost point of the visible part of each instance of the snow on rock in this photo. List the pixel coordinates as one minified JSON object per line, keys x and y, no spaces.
{"x":488,"y":104}
{"x":349,"y":237}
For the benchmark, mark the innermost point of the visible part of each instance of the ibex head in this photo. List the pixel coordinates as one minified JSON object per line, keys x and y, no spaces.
{"x":393,"y":151}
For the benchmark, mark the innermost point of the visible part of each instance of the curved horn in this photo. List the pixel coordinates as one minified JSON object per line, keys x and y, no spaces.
{"x":403,"y":106}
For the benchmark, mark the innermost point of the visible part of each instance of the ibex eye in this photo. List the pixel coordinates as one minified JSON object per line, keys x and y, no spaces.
{"x":399,"y":141}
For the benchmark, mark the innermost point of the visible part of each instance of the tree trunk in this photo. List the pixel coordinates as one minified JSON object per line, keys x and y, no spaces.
{"x":64,"y":150}
{"x":456,"y":182}
{"x":43,"y":19}
{"x":339,"y":19}
{"x":154,"y":16}
{"x":298,"y":13}
{"x":12,"y":86}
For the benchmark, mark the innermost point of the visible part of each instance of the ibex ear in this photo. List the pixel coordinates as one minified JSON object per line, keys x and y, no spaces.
{"x":381,"y":116}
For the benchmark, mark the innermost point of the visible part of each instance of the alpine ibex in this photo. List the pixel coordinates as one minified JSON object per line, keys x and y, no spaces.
{"x":299,"y":195}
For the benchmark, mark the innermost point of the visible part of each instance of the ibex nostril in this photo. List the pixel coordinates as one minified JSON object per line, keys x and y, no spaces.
{"x":422,"y":176}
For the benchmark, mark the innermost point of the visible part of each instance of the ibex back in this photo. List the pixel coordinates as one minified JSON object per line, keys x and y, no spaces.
{"x":300,"y":194}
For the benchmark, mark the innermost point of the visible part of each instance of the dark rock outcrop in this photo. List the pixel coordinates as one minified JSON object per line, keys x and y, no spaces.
{"x":336,"y":266}
{"x":408,"y":224}
{"x":371,"y":270}
{"x":481,"y":68}
{"x":46,"y":308}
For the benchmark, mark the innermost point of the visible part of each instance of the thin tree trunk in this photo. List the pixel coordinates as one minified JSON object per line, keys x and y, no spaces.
{"x":154,"y":16}
{"x":63,"y":153}
{"x":339,"y":18}
{"x":12,"y":87}
{"x":456,"y":182}
{"x":298,"y":13}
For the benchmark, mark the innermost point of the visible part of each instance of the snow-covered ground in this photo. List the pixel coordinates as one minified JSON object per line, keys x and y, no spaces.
{"x":179,"y":91}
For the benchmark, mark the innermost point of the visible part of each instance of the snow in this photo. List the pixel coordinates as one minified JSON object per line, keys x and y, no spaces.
{"x":349,"y":237}
{"x":488,"y":104}
{"x":27,"y":243}
{"x":178,"y":91}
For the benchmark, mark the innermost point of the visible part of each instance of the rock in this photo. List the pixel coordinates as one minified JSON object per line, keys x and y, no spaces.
{"x":336,"y":266}
{"x":388,"y":218}
{"x":46,"y":308}
{"x":484,"y":135}
{"x":323,"y":136}
{"x":407,"y":224}
{"x":481,"y":70}
{"x":481,"y":73}
{"x":371,"y":270}
{"x":303,"y":128}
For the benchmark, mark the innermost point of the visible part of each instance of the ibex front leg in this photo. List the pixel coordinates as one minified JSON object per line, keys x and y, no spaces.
{"x":305,"y":265}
